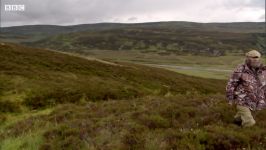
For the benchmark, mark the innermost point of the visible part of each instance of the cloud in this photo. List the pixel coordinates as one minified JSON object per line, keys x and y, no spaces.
{"x":132,"y":19}
{"x":244,"y":3}
{"x":262,"y":17}
{"x":67,"y":12}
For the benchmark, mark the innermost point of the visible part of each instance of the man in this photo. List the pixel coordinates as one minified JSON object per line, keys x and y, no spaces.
{"x":246,"y":88}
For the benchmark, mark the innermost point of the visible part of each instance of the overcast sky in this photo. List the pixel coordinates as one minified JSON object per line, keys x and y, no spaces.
{"x":69,"y":12}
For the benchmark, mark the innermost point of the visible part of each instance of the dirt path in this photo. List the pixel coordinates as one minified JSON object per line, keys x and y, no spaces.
{"x":86,"y":57}
{"x":188,"y":68}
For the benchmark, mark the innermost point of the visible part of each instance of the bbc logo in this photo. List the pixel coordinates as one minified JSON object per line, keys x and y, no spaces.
{"x":14,"y":7}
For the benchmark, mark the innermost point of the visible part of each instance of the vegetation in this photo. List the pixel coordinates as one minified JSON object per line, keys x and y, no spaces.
{"x":212,"y":39}
{"x":51,"y":100}
{"x":172,"y":122}
{"x":165,"y":41}
{"x":38,"y":78}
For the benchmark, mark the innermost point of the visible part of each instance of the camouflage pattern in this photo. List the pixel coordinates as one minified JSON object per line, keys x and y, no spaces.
{"x":247,"y":87}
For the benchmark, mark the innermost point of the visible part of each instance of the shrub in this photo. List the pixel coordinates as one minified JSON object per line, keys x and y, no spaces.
{"x":134,"y":138}
{"x":62,"y":137}
{"x":52,"y":97}
{"x":154,"y":121}
{"x":9,"y":106}
{"x":2,"y":118}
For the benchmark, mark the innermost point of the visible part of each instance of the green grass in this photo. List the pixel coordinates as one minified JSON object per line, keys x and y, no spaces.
{"x":12,"y":118}
{"x":173,"y":122}
{"x":58,"y":101}
{"x":204,"y":73}
{"x":37,"y":78}
{"x":30,"y":141}
{"x":203,"y":65}
{"x":221,"y":62}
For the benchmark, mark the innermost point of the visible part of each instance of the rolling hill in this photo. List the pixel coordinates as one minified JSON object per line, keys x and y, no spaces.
{"x":30,"y":71}
{"x":51,"y":100}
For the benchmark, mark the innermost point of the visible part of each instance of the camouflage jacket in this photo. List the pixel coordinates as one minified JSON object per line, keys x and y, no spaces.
{"x":247,"y":87}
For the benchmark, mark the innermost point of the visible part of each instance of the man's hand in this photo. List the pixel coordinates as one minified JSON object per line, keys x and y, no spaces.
{"x":231,"y":102}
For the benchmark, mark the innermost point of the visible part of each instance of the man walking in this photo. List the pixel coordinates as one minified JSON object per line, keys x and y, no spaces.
{"x":246,"y":88}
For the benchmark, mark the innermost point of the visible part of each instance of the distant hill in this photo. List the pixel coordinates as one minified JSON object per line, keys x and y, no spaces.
{"x":175,"y":37}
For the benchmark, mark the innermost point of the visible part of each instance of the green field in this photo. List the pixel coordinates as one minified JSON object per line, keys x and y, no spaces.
{"x":201,"y":66}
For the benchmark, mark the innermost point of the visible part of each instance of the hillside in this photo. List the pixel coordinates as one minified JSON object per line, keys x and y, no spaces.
{"x":50,"y":100}
{"x":213,"y":39}
{"x":28,"y":71}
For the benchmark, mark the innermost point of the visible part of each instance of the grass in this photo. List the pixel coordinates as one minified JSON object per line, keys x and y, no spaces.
{"x":222,"y":62}
{"x":11,"y":118}
{"x":68,"y":102}
{"x":200,"y":66}
{"x":29,"y":141}
{"x":204,"y":73}
{"x":175,"y":122}
{"x":39,"y":79}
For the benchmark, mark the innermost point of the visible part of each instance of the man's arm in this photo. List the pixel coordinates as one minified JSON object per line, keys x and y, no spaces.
{"x":232,"y":84}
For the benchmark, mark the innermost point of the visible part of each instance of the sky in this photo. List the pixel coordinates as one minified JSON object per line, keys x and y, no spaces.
{"x":71,"y":12}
